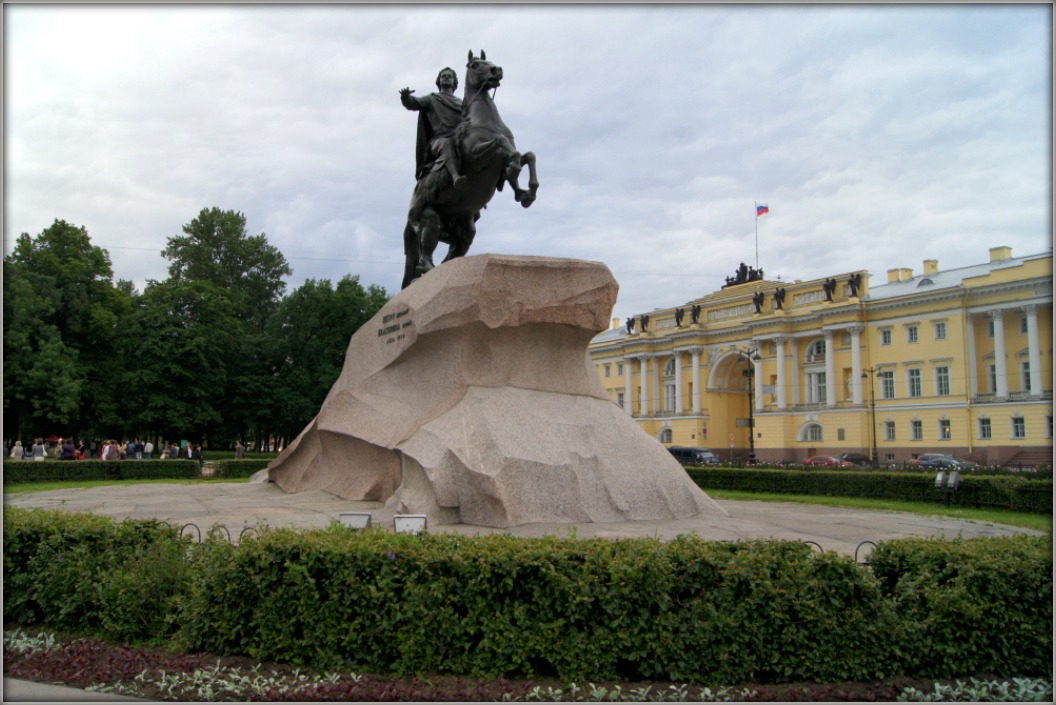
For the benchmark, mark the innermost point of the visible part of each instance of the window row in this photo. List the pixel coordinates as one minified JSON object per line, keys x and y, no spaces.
{"x":1017,"y":428}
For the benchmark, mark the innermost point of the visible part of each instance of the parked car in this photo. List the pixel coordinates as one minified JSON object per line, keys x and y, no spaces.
{"x":856,"y":459}
{"x":967,"y":464}
{"x":827,"y":461}
{"x":942,"y":462}
{"x":925,"y":457}
{"x":694,"y":456}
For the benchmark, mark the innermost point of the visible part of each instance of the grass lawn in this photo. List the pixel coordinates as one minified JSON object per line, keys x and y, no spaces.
{"x":20,"y":487}
{"x":1039,"y":522}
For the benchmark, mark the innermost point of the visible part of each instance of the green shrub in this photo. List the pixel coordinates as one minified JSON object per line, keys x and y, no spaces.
{"x":56,"y":566}
{"x":239,"y":468}
{"x":976,"y":606}
{"x":492,"y":606}
{"x":17,"y":471}
{"x":1016,"y":493}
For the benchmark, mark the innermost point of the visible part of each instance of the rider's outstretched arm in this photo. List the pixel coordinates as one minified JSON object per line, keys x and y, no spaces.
{"x":410,"y":102}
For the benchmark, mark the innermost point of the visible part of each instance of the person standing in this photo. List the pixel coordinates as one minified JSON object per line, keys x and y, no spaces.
{"x":18,"y":452}
{"x":240,"y":450}
{"x":39,"y":449}
{"x":67,"y":450}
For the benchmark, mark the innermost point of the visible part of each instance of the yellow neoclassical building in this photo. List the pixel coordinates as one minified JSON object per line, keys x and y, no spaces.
{"x":956,"y":361}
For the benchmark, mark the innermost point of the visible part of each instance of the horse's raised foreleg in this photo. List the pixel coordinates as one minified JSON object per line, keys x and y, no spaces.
{"x":513,"y":173}
{"x":533,"y":180}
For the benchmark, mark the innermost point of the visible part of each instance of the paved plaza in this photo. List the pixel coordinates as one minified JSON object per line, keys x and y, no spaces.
{"x":238,"y":505}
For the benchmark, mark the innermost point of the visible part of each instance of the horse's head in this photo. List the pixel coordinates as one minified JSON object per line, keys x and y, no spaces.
{"x":481,"y":74}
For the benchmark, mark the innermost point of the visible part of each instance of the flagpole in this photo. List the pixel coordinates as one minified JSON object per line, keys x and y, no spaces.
{"x":757,"y":235}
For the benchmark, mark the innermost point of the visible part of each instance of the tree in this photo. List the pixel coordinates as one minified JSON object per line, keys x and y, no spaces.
{"x":184,"y":330}
{"x":216,"y":249}
{"x":309,"y":336}
{"x":62,"y":314}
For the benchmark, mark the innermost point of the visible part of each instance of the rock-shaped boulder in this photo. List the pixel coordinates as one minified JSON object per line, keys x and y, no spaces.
{"x":470,"y":397}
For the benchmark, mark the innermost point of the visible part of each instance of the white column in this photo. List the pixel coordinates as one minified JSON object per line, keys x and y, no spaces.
{"x":999,"y":354}
{"x":696,"y":380}
{"x":856,"y":365}
{"x":971,"y":363}
{"x":628,"y":400}
{"x":678,"y":383}
{"x":782,"y":397}
{"x":830,"y":370}
{"x":1034,"y":351}
{"x":757,"y":372}
{"x":643,"y":403}
{"x":795,"y":372}
{"x":657,"y":387}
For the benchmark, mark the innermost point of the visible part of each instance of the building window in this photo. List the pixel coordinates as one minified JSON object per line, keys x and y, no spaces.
{"x":619,"y":369}
{"x":945,"y":432}
{"x":619,"y":399}
{"x":816,"y":351}
{"x":940,"y":330}
{"x":889,"y":430}
{"x":608,"y":370}
{"x":669,"y":368}
{"x":885,"y":336}
{"x":1048,"y":426}
{"x":814,"y":433}
{"x":669,"y":397}
{"x":989,"y":329}
{"x":665,"y":435}
{"x":1019,"y":427}
{"x":914,"y":383}
{"x":1023,"y":325}
{"x":887,"y":384}
{"x":1024,"y":375}
{"x":916,"y":429}
{"x":815,"y":387}
{"x":911,"y":334}
{"x":942,"y":381}
{"x":985,"y":432}
{"x":992,"y":376}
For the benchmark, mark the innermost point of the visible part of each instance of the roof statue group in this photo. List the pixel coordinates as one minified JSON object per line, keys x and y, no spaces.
{"x":746,"y":274}
{"x":464,"y":153}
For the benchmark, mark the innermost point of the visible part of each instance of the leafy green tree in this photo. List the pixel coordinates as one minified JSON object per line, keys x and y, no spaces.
{"x":62,"y":314}
{"x":184,"y":330}
{"x":309,"y":335}
{"x":216,"y":250}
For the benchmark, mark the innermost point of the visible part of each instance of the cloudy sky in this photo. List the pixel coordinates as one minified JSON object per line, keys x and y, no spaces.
{"x":879,"y":136}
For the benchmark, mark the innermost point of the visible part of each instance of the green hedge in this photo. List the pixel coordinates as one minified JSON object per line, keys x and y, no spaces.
{"x":239,"y":468}
{"x":17,"y":471}
{"x":683,"y":610}
{"x":1015,"y":493}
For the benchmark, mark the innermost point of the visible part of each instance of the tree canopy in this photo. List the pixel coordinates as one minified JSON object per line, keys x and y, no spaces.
{"x":216,"y":352}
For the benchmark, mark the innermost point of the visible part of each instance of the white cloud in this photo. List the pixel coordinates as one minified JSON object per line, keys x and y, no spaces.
{"x":878,"y":135}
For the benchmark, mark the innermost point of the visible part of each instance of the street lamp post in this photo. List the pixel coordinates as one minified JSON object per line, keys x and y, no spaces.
{"x":871,"y":372}
{"x":752,"y":356}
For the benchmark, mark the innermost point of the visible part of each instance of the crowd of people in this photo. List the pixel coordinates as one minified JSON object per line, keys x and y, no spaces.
{"x":135,"y":449}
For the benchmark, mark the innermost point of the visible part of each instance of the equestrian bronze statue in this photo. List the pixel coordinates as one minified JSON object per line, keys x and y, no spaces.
{"x":464,"y":154}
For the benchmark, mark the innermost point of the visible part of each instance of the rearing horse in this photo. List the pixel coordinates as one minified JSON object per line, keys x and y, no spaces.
{"x":489,"y":158}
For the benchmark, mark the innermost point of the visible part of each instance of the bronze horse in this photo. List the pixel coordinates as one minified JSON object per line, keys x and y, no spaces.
{"x":489,"y":158}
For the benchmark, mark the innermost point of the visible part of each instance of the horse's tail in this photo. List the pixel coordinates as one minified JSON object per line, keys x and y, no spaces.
{"x":411,"y":251}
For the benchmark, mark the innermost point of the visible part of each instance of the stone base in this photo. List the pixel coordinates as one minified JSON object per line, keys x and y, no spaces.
{"x":470,"y":397}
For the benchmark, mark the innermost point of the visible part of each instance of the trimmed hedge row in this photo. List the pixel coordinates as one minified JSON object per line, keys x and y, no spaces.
{"x":685,"y":610}
{"x":1015,"y":493}
{"x":239,"y":468}
{"x":16,"y":471}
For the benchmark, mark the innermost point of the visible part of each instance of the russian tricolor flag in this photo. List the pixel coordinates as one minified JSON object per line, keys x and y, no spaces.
{"x":761,"y":209}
